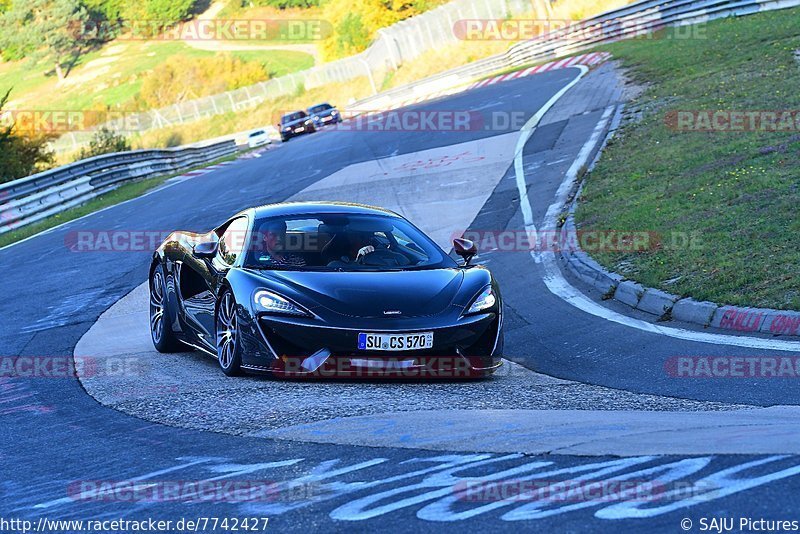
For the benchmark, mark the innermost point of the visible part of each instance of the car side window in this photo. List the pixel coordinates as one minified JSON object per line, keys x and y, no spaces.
{"x":232,"y":241}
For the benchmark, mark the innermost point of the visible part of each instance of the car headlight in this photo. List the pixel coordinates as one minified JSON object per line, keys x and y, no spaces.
{"x":287,"y":128}
{"x":270,"y":302}
{"x":334,"y":112}
{"x":308,"y":122}
{"x":316,"y":117}
{"x":482,"y":302}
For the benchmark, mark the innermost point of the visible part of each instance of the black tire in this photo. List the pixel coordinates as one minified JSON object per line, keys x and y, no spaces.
{"x":228,"y":335}
{"x":164,"y":339}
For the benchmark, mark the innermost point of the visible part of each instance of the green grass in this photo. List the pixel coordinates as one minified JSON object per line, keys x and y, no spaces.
{"x":116,"y":75}
{"x":115,"y":196}
{"x":734,"y":191}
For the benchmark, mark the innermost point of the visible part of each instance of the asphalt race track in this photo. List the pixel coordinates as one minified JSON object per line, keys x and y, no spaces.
{"x":578,"y":391}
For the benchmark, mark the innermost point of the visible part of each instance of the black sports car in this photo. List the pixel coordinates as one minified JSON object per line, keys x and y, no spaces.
{"x":326,"y":289}
{"x":294,"y":124}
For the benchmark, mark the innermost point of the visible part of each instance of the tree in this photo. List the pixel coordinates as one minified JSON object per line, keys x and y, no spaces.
{"x":21,"y":155}
{"x":46,"y":29}
{"x":356,"y":23}
{"x":168,"y":11}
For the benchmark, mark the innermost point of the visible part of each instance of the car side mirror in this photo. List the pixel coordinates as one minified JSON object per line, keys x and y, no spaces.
{"x":205,"y":249}
{"x":465,"y":248}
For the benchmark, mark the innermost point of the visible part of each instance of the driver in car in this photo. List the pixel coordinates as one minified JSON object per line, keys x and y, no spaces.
{"x":368,"y":250}
{"x":362,"y":245}
{"x":271,"y":240}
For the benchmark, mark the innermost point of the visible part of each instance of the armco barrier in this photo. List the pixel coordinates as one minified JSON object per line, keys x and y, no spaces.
{"x":38,"y":196}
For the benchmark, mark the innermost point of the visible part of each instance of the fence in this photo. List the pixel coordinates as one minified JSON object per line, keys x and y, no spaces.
{"x":38,"y":196}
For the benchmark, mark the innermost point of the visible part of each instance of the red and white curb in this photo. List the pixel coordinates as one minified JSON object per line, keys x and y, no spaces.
{"x":584,"y":59}
{"x":588,"y":60}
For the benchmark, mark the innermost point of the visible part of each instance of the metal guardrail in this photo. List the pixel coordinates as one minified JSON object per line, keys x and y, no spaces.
{"x":31,"y":199}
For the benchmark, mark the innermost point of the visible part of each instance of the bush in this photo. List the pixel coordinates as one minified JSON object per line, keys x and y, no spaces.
{"x":356,"y":22}
{"x":109,"y":10}
{"x":181,"y":78}
{"x":105,"y":141}
{"x":352,"y":35}
{"x":21,"y":155}
{"x":168,"y":11}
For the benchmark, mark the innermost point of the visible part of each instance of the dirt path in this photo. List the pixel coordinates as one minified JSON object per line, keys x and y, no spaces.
{"x":228,"y":46}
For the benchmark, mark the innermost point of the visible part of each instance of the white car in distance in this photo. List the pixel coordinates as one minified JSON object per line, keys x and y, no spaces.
{"x":258,"y":138}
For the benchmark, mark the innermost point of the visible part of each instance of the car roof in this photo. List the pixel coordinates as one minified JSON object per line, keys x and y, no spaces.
{"x":312,"y":208}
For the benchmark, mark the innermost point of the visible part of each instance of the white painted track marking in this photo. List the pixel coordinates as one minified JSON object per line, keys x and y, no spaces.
{"x":556,"y":282}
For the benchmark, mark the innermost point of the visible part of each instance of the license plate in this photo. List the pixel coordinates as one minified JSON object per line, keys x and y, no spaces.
{"x":419,"y":340}
{"x":383,"y":364}
{"x":298,"y":130}
{"x":326,"y":119}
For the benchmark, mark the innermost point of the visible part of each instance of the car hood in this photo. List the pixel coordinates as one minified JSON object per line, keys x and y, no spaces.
{"x":372,"y":294}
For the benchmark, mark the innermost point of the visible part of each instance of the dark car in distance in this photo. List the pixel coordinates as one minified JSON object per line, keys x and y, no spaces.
{"x":323,"y":114}
{"x":326,"y":289}
{"x":294,"y":124}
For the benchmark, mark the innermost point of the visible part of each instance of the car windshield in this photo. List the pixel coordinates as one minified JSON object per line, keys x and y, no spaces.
{"x":342,"y":242}
{"x":293,"y":117}
{"x":319,"y":108}
{"x":256,"y":134}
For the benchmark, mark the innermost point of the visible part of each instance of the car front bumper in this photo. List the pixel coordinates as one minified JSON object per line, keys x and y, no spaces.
{"x":470,"y":347}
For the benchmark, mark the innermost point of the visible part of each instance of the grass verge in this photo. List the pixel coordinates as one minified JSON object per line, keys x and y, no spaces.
{"x":113,"y":74}
{"x":736,"y":193}
{"x":115,"y":196}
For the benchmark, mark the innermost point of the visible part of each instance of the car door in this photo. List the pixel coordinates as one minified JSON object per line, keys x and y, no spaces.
{"x":209,"y":273}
